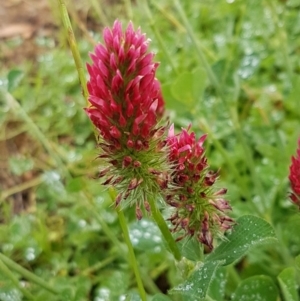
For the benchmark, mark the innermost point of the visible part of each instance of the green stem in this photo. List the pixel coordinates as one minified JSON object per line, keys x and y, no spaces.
{"x":74,"y":48}
{"x":132,"y":257}
{"x":14,"y":280}
{"x":28,"y":275}
{"x":160,"y":221}
{"x":99,"y":265}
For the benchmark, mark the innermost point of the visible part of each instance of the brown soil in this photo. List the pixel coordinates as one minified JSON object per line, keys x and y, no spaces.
{"x":21,"y":23}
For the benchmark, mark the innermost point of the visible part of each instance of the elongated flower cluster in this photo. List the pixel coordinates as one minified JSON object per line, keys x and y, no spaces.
{"x":126,"y":107}
{"x":124,"y":93}
{"x":294,"y":177}
{"x":200,"y":210}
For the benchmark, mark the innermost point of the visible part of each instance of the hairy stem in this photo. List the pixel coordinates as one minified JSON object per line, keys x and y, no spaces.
{"x":132,"y":258}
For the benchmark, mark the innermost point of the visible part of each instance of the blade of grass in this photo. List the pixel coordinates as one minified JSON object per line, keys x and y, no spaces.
{"x":28,"y":275}
{"x":74,"y":48}
{"x":6,"y":271}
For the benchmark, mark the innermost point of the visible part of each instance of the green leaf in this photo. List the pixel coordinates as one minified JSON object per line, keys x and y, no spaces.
{"x":188,"y":87}
{"x":161,"y":297}
{"x":248,"y":232}
{"x":14,"y":77}
{"x":288,"y":285}
{"x":217,"y":287}
{"x":133,"y":297}
{"x":145,"y":236}
{"x":191,"y":249}
{"x":260,"y":288}
{"x":171,"y":102}
{"x":196,"y":286}
{"x":75,"y":185}
{"x":8,"y":295}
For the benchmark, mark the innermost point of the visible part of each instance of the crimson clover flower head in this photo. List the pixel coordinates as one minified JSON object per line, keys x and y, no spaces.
{"x":294,"y":177}
{"x":126,"y":100}
{"x":199,"y":208}
{"x":126,"y":107}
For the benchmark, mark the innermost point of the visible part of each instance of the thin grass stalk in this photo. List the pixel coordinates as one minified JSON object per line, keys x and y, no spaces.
{"x":34,"y":129}
{"x":74,"y":48}
{"x":6,"y":271}
{"x":28,"y":275}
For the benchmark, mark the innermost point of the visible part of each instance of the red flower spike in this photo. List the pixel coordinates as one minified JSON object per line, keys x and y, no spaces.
{"x":126,"y":106}
{"x":294,"y":177}
{"x":123,"y":85}
{"x":199,"y":208}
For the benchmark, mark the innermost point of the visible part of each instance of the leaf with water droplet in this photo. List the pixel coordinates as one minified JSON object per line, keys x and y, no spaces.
{"x":133,"y":297}
{"x":195,"y":288}
{"x":256,"y":288}
{"x":241,"y":239}
{"x":217,"y":287}
{"x":145,"y":236}
{"x":191,"y":249}
{"x":288,"y":285}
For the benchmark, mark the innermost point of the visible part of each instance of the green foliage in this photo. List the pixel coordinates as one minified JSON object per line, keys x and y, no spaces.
{"x":197,"y":285}
{"x":59,"y":223}
{"x":188,"y":88}
{"x":288,"y":285}
{"x":256,"y":288}
{"x":248,"y":232}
